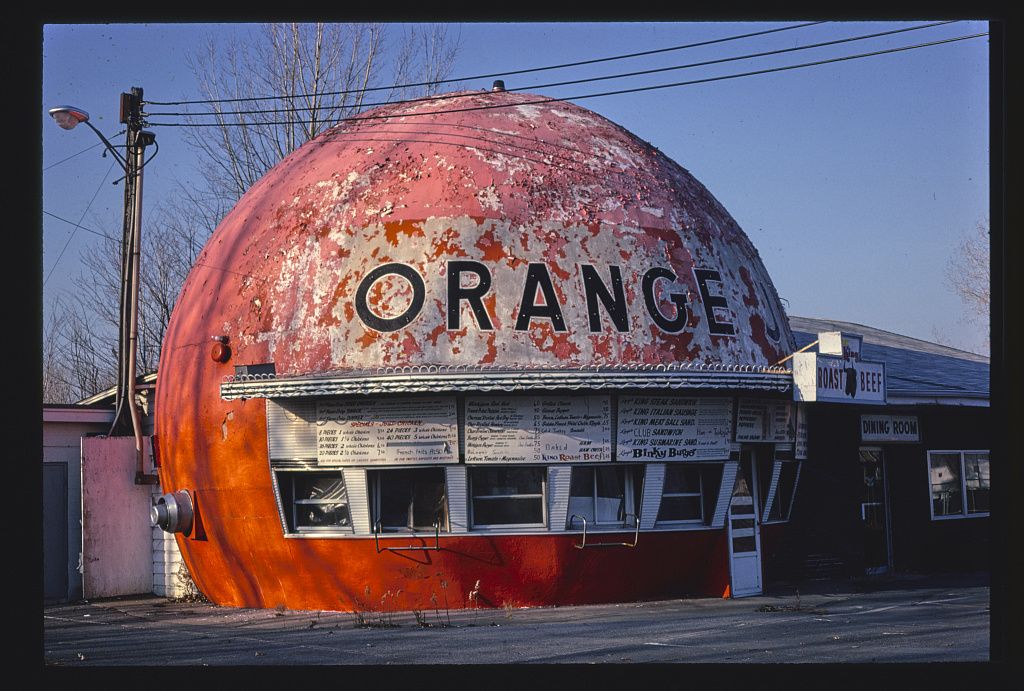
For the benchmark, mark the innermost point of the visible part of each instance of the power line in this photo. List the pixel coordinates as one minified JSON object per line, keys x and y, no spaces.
{"x":77,"y":226}
{"x":621,"y":75}
{"x":88,"y":148}
{"x":551,"y":99}
{"x":495,"y":74}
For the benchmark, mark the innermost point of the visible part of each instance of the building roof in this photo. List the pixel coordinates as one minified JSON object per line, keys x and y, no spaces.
{"x":108,"y":396}
{"x":917,"y":371}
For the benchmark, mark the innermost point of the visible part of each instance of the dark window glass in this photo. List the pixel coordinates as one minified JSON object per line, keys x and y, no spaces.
{"x":605,"y":495}
{"x":315,"y":501}
{"x":785,"y":493}
{"x":679,"y":509}
{"x":783,"y":498}
{"x":410,"y":498}
{"x":508,"y":496}
{"x":744,"y":544}
{"x":681,"y":495}
{"x":976,"y":478}
{"x":945,"y":479}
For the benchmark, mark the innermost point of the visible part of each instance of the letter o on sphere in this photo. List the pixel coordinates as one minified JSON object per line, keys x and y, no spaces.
{"x":411,"y":312}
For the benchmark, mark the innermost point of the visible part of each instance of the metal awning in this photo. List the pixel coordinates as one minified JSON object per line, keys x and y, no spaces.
{"x":428,"y":379}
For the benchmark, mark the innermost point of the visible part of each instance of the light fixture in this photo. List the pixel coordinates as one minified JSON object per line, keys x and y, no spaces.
{"x":68,"y":116}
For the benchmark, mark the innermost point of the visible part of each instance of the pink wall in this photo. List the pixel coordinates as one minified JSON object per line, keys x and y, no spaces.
{"x":117,"y":541}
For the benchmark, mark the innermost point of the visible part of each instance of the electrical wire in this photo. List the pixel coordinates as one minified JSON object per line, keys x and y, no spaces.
{"x":580,"y":97}
{"x":621,"y":75}
{"x":145,"y":163}
{"x":80,"y":227}
{"x":488,"y":76}
{"x":89,"y":148}
{"x":77,"y":225}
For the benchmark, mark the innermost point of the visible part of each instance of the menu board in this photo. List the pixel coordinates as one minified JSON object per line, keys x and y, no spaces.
{"x":671,"y":428}
{"x":387,"y":430}
{"x":764,"y":420}
{"x":538,"y":429}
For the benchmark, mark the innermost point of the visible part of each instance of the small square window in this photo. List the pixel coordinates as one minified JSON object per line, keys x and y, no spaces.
{"x":959,"y":483}
{"x":409,"y":499}
{"x":605,"y":496}
{"x":315,"y":502}
{"x":682,"y":497}
{"x":508,"y":497}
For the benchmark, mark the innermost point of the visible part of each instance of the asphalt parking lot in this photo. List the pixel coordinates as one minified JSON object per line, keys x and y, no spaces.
{"x":906,"y":619}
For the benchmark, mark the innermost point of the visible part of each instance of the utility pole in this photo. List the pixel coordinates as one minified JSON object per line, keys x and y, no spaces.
{"x":127,"y":419}
{"x":126,"y":416}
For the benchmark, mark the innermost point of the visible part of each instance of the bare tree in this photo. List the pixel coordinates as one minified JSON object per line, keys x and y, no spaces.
{"x":320,"y":71}
{"x":425,"y":56}
{"x":56,"y":385}
{"x":968,"y":273}
{"x":75,"y":362}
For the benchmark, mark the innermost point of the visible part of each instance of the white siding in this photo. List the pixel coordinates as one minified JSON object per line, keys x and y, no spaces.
{"x":358,"y":500}
{"x":725,"y":493}
{"x":653,"y":484}
{"x":559,"y":478}
{"x":291,"y":429}
{"x":167,"y":561}
{"x":774,"y":485}
{"x":458,"y":513}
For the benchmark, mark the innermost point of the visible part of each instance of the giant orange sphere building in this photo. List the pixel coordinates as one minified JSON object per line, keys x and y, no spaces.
{"x":486,"y":348}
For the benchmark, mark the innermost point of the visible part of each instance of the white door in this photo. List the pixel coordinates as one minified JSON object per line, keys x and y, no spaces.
{"x":744,"y":531}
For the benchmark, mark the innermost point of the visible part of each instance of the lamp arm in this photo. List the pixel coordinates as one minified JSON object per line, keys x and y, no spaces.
{"x":110,"y":147}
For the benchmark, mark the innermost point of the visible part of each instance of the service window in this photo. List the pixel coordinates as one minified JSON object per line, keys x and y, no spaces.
{"x":606,"y":496}
{"x":508,"y":497}
{"x":689,"y":494}
{"x":408,"y":499}
{"x":780,"y":488}
{"x":959,"y":483}
{"x":314,"y":502}
{"x":682,"y":496}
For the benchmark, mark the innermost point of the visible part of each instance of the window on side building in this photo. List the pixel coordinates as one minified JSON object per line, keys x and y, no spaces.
{"x":606,"y":496}
{"x":508,"y":497}
{"x":408,"y":499}
{"x":314,"y":502}
{"x":959,"y":483}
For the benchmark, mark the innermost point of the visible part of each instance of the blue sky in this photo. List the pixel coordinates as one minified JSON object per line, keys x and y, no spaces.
{"x":855,"y":180}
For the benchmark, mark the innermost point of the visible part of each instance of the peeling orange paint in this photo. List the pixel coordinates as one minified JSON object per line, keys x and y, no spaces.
{"x":569,"y":187}
{"x":393,"y":229}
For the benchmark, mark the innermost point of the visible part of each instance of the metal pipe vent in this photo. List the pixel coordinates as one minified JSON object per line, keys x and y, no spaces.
{"x":173,"y":512}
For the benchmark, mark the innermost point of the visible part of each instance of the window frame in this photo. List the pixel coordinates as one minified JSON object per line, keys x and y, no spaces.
{"x":632,"y":493}
{"x":292,"y":527}
{"x":796,"y":466}
{"x":493,"y":527}
{"x":701,"y":521}
{"x":964,"y":513}
{"x":374,"y":477}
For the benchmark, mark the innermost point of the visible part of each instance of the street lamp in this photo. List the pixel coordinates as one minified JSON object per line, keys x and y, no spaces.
{"x":69,"y":117}
{"x":126,"y":415}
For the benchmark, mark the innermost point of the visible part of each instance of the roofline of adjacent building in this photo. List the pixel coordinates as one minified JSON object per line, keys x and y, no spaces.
{"x":77,"y":413}
{"x":884,"y":331}
{"x":142,"y":382}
